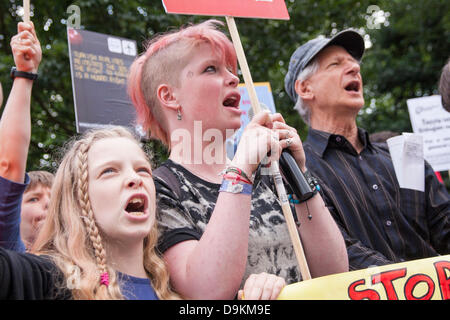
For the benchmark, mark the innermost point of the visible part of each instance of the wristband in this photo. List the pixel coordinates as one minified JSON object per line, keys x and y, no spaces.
{"x":22,"y":74}
{"x":236,"y":179}
{"x":239,"y":172}
{"x":229,"y":186}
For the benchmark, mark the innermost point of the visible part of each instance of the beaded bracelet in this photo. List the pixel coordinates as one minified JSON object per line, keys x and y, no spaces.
{"x":312,"y":181}
{"x":315,"y":190}
{"x":292,"y":200}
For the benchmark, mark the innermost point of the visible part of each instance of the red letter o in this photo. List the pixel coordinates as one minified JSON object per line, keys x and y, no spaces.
{"x":413,"y":281}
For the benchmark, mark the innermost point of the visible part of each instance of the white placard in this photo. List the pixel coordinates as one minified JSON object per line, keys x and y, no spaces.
{"x":432,"y":122}
{"x":407,"y":156}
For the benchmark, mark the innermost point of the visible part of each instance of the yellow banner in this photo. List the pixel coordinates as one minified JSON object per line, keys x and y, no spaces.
{"x":424,"y":279}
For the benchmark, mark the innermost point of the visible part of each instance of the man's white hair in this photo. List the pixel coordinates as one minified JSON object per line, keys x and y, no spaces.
{"x":300,"y":105}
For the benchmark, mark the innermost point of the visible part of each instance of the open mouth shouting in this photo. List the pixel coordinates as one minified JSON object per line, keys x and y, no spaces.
{"x":353,"y":86}
{"x":232,"y":100}
{"x":137,"y":205}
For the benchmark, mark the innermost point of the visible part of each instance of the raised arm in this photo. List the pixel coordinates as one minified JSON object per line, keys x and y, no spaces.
{"x":15,"y":124}
{"x":15,"y":133}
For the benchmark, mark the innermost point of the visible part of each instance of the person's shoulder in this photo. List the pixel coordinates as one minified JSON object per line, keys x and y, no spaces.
{"x":27,"y":260}
{"x":166,"y":170}
{"x":38,"y":271}
{"x":165,"y":178}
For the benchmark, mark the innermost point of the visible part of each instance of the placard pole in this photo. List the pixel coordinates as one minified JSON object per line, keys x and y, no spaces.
{"x":287,"y":212}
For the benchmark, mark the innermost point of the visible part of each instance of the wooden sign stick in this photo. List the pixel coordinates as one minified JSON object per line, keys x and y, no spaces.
{"x":26,"y":11}
{"x":293,"y":232}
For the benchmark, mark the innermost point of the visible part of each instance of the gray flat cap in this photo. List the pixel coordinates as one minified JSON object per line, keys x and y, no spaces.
{"x":348,"y":39}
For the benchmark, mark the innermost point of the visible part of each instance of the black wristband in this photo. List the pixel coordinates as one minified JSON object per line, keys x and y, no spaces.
{"x":22,"y":74}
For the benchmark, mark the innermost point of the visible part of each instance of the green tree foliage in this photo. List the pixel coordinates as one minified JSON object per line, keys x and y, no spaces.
{"x":405,"y":61}
{"x":409,"y":45}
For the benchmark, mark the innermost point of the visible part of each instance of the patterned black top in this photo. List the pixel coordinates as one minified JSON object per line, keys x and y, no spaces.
{"x":185,"y":217}
{"x":381,"y":222}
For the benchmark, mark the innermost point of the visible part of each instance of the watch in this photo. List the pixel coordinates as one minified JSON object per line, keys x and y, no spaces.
{"x":22,"y":74}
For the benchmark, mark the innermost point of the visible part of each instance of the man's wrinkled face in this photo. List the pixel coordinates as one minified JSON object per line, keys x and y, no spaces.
{"x":337,"y":84}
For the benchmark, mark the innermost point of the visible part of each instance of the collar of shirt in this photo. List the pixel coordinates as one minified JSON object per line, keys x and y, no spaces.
{"x":321,"y":140}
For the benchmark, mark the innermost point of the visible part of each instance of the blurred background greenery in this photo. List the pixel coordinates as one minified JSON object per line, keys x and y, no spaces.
{"x":407,"y":44}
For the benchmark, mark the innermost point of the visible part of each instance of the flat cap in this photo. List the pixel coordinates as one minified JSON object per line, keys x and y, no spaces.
{"x":349,"y":39}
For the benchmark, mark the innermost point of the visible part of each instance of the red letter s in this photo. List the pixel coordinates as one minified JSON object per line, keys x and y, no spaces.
{"x":363,"y":294}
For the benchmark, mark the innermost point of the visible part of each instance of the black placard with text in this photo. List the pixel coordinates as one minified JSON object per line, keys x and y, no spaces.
{"x":99,"y":65}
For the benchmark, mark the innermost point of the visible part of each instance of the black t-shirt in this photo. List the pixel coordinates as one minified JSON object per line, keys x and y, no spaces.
{"x":183,"y":214}
{"x":25,"y":276}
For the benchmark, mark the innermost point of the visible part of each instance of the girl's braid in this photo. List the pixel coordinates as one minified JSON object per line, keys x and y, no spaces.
{"x":86,"y":210}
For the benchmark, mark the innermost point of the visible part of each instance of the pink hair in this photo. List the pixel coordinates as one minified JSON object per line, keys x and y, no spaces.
{"x":193,"y":35}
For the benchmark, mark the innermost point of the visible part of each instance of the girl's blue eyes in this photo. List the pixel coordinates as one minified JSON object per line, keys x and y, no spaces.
{"x":146,"y":170}
{"x":107,"y":170}
{"x":110,"y":170}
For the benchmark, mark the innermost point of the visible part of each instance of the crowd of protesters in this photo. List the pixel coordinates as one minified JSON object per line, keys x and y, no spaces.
{"x":106,"y":225}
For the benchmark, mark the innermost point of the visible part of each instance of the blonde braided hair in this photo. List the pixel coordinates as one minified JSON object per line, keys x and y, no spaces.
{"x":86,"y":210}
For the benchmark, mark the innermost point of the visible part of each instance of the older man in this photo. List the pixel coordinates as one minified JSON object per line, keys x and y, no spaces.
{"x":381,"y":222}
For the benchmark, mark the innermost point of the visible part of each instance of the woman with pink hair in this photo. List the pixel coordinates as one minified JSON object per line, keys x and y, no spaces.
{"x":220,"y":219}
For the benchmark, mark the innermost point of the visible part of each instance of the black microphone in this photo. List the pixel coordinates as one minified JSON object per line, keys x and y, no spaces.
{"x":290,"y":170}
{"x":294,"y":176}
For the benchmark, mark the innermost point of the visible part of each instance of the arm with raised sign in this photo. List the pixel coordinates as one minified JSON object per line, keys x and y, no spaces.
{"x":15,"y":125}
{"x":15,"y":134}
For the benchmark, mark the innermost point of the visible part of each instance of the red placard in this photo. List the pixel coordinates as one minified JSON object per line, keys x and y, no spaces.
{"x":266,"y":9}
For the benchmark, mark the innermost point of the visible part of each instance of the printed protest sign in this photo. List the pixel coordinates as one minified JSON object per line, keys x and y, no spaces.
{"x":424,"y":279}
{"x":429,"y":119}
{"x":99,"y":65}
{"x":407,"y":156}
{"x":266,"y":9}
